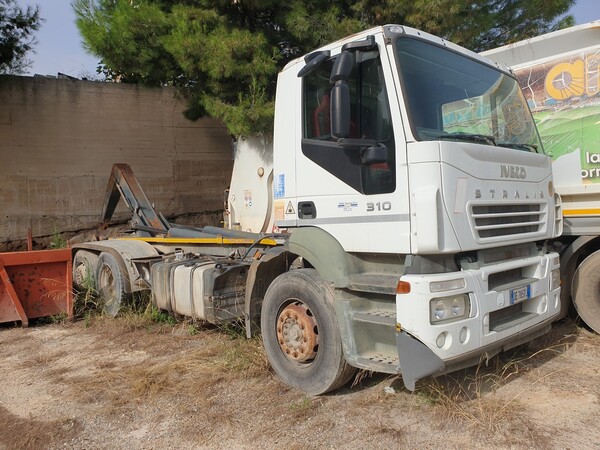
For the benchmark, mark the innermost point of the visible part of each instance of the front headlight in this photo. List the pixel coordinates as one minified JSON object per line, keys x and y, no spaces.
{"x":449,"y":308}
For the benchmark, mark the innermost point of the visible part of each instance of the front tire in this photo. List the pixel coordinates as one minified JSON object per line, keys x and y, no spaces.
{"x":301,"y":334}
{"x":586,"y":291}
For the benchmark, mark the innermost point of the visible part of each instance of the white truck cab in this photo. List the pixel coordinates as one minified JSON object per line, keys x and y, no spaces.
{"x":410,"y":175}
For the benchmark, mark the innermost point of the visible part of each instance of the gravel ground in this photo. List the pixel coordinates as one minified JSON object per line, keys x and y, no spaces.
{"x":127,"y":383}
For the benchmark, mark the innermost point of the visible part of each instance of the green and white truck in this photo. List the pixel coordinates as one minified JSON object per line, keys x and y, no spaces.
{"x":559,"y":75}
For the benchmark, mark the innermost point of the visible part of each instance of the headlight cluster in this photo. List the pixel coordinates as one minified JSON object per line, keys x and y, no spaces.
{"x":449,"y":308}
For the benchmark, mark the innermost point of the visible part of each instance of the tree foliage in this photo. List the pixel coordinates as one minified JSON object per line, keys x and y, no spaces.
{"x":17,"y":27}
{"x":225,"y":54}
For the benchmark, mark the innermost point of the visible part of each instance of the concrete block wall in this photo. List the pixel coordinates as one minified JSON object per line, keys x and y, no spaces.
{"x":59,"y":139}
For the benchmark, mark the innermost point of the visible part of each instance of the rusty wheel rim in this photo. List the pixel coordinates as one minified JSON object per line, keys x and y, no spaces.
{"x":297,"y":332}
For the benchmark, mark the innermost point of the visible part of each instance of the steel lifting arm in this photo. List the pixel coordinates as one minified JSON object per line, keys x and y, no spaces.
{"x":123,"y":183}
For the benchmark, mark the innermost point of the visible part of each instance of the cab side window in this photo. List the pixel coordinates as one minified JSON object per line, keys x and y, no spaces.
{"x":317,"y":108}
{"x":369,"y":119}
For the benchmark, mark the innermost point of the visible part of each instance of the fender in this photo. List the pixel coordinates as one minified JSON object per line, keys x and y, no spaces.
{"x":324,"y":253}
{"x":123,"y":251}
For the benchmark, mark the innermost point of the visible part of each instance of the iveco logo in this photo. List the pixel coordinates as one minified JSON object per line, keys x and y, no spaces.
{"x":507,"y":171}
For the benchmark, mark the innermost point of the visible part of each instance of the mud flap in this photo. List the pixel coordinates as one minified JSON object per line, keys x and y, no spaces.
{"x":416,"y":360}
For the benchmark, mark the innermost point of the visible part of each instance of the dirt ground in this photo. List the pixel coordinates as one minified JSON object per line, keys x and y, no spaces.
{"x":130,"y":383}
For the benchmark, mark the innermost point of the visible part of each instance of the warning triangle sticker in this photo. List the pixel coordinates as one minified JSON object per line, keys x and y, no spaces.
{"x":290,"y":209}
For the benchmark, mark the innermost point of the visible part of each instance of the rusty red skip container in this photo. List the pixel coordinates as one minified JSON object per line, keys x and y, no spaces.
{"x":35,"y":284}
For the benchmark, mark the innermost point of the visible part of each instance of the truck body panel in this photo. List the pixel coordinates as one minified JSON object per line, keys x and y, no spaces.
{"x":560,"y":76}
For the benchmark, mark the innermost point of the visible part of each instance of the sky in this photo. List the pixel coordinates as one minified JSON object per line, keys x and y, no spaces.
{"x":59,"y":47}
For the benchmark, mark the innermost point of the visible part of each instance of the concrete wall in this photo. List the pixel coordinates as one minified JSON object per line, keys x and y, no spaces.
{"x":59,"y":139}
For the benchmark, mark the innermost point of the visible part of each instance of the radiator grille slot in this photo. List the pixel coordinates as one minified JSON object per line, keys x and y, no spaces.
{"x":506,"y":318}
{"x":496,"y":280}
{"x":507,"y":219}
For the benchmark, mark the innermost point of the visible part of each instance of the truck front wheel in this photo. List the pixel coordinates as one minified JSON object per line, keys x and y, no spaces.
{"x":301,"y":334}
{"x":586,"y":291}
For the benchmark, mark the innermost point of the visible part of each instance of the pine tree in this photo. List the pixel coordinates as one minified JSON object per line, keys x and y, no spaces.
{"x":17,"y":27}
{"x":225,"y":54}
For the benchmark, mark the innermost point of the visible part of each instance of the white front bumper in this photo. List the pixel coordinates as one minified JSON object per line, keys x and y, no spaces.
{"x":489,"y":322}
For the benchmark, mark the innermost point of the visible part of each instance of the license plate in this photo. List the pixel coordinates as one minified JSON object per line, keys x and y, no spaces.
{"x":520,"y":294}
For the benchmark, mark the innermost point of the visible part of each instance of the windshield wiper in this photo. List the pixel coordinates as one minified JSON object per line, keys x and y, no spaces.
{"x":519,"y":146}
{"x":469,"y":137}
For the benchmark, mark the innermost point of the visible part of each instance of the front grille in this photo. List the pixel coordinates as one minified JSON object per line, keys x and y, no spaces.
{"x":507,"y":219}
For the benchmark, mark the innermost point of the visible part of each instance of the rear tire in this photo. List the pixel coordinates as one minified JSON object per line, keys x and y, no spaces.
{"x":301,"y":334}
{"x":84,"y":270}
{"x":110,"y":281}
{"x":586,"y":291}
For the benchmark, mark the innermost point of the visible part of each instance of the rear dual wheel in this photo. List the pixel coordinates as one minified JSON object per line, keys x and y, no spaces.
{"x":102,"y":274}
{"x":301,"y":333}
{"x":84,"y":270}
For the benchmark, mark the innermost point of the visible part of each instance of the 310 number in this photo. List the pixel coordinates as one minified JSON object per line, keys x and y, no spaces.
{"x":379,"y":206}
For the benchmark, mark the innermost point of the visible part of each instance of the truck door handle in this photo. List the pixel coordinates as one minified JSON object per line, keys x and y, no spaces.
{"x":307,"y":210}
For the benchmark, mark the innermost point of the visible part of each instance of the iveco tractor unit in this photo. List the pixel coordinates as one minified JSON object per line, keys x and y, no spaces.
{"x":397,"y":222}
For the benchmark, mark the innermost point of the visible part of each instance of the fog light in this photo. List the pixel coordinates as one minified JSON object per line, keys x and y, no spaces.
{"x":463,"y":335}
{"x":441,"y":340}
{"x":449,"y":308}
{"x":554,"y":279}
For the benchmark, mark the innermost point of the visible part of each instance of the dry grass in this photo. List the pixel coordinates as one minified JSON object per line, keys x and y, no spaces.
{"x":472,"y":397}
{"x":21,"y":433}
{"x":214,"y":387}
{"x":193,"y":373}
{"x":45,"y":359}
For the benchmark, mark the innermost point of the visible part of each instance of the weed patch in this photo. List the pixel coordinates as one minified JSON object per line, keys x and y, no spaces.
{"x":58,"y":240}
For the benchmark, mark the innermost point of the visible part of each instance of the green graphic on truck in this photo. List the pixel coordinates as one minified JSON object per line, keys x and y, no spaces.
{"x":564,"y":96}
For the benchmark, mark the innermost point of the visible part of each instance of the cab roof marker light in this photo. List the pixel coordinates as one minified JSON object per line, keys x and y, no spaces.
{"x":447,"y":285}
{"x":396,"y":29}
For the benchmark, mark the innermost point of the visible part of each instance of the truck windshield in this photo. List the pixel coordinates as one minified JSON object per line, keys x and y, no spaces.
{"x":452,"y":97}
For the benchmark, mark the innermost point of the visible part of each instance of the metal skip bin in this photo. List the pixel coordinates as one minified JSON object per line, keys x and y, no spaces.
{"x":35,"y":284}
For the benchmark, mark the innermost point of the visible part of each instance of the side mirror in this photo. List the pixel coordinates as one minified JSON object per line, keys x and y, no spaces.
{"x":342,"y":67}
{"x":313,"y":61}
{"x":340,"y":95}
{"x":340,"y":110}
{"x":374,"y":155}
